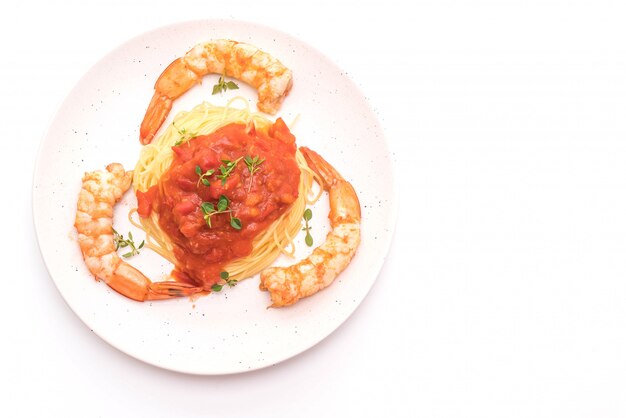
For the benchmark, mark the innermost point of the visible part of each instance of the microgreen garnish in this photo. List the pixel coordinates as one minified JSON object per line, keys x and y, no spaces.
{"x":120,"y":242}
{"x":223,"y":85}
{"x":225,"y":278}
{"x":184,"y":135}
{"x":307,"y":217}
{"x":204,"y":176}
{"x":209,"y":210}
{"x":253,"y":164}
{"x":226,"y":169}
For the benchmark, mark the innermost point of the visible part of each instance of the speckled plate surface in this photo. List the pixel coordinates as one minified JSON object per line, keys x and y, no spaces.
{"x":232,"y":331}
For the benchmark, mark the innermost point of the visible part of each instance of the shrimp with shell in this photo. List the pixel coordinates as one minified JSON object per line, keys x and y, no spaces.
{"x":94,"y":223}
{"x":239,"y":60}
{"x":287,"y":285}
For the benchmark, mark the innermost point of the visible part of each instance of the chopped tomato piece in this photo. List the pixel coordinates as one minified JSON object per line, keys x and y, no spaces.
{"x":145,"y":201}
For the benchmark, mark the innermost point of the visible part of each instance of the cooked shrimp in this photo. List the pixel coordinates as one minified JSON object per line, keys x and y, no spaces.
{"x":234,"y":59}
{"x":288,"y":284}
{"x":94,"y":223}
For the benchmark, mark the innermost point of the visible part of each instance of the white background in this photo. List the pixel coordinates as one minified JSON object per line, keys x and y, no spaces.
{"x":504,"y":291}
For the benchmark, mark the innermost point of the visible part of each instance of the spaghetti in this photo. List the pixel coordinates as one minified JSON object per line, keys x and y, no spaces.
{"x":157,"y":157}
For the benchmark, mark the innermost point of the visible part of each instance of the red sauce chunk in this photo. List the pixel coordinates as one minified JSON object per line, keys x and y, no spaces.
{"x":256,"y":199}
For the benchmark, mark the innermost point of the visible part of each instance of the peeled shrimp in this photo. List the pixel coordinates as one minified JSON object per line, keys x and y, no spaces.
{"x":94,"y":223}
{"x":233,"y":59}
{"x":288,"y":284}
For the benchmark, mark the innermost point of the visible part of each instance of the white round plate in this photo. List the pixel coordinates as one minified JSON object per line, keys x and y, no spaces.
{"x":231,"y":331}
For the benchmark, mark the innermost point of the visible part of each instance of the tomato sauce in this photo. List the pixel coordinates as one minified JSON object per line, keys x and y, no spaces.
{"x":255,"y":199}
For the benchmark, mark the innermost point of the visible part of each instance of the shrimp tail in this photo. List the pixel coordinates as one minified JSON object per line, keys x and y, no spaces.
{"x":158,"y":109}
{"x":344,"y":203}
{"x":175,"y":80}
{"x":167,"y":290}
{"x":128,"y":281}
{"x":328,"y":174}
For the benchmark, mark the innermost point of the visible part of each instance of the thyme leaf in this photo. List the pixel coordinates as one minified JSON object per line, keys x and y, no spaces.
{"x":120,"y":242}
{"x":184,"y":135}
{"x":226,"y":169}
{"x":223,"y":85}
{"x":223,"y":206}
{"x":253,"y":164}
{"x":308,"y":239}
{"x":225,"y":279}
{"x":204,"y":177}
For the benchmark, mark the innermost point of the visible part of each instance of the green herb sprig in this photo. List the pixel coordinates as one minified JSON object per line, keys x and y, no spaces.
{"x":223,"y":206}
{"x":120,"y":242}
{"x":308,"y":239}
{"x":226,"y":169}
{"x":223,"y":85}
{"x":253,"y":164}
{"x":184,"y":135}
{"x":204,"y":177}
{"x":226,"y":279}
